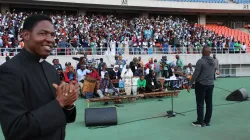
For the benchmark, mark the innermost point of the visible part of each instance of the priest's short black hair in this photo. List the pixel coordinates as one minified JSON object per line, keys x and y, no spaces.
{"x":31,"y":21}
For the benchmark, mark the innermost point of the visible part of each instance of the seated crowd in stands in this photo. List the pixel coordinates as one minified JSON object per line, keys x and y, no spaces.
{"x":97,"y":34}
{"x":109,"y":78}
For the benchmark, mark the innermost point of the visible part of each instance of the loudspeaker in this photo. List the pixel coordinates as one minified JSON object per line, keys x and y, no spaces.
{"x":100,"y":116}
{"x":238,"y":95}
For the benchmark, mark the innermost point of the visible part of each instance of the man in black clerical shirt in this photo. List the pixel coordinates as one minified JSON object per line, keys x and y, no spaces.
{"x":33,"y":103}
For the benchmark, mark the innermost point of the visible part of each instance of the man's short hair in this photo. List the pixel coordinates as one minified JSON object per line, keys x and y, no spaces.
{"x":31,"y":21}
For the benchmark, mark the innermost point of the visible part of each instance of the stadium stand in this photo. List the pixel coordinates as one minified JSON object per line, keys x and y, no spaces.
{"x":212,"y":1}
{"x":99,"y":34}
{"x":241,"y":1}
{"x":237,"y":35}
{"x":203,"y":1}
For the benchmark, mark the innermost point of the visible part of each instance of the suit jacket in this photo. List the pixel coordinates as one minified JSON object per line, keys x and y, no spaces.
{"x":112,"y":75}
{"x":149,"y":86}
{"x":28,"y":106}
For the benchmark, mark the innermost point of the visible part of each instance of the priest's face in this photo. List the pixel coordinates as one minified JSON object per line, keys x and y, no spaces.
{"x":40,"y":39}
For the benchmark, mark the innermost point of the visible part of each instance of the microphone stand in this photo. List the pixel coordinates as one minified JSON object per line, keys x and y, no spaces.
{"x":171,"y":112}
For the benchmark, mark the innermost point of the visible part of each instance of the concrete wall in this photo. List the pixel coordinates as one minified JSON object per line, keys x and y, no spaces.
{"x":144,"y":14}
{"x":82,"y":12}
{"x":4,"y":8}
{"x":242,"y":71}
{"x":202,"y":19}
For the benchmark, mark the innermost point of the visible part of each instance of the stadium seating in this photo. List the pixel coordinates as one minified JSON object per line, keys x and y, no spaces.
{"x":212,"y":1}
{"x":203,"y":1}
{"x":147,"y":40}
{"x":241,"y":1}
{"x":237,"y":34}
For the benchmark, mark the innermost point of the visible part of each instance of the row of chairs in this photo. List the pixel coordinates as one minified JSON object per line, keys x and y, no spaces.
{"x":237,"y":34}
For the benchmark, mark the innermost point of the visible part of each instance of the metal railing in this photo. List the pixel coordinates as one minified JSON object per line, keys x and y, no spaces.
{"x":236,"y":24}
{"x":121,"y":51}
{"x":235,"y":72}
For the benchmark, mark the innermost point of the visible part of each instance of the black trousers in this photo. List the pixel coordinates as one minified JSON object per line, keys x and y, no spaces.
{"x":204,"y":93}
{"x":141,"y":89}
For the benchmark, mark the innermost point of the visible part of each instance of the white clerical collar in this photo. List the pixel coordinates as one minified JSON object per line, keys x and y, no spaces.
{"x":41,"y":60}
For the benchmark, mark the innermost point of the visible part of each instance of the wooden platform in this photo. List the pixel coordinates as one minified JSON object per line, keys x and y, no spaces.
{"x":112,"y":98}
{"x":160,"y":94}
{"x":131,"y":97}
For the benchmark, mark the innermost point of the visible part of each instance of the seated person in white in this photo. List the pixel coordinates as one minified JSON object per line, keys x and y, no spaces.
{"x":126,"y":72}
{"x":189,"y":71}
{"x":106,"y":87}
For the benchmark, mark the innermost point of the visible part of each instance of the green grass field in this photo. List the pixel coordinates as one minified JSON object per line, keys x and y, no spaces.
{"x":229,"y":121}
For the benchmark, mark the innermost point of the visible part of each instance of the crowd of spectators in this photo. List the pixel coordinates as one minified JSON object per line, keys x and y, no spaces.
{"x":119,"y":71}
{"x":97,"y":34}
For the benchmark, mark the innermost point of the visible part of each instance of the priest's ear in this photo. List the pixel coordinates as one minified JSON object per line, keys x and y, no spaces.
{"x":26,"y":35}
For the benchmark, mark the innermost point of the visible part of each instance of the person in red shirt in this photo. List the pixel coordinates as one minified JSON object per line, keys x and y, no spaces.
{"x":150,"y":62}
{"x":94,"y":73}
{"x":70,"y":76}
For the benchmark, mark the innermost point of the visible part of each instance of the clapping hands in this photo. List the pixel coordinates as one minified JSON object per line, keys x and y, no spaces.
{"x":66,"y":94}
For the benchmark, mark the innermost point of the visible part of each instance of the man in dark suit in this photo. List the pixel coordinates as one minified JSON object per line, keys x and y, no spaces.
{"x":115,"y":75}
{"x":33,"y":103}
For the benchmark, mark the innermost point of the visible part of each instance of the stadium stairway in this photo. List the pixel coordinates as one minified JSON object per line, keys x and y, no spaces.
{"x":228,"y":32}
